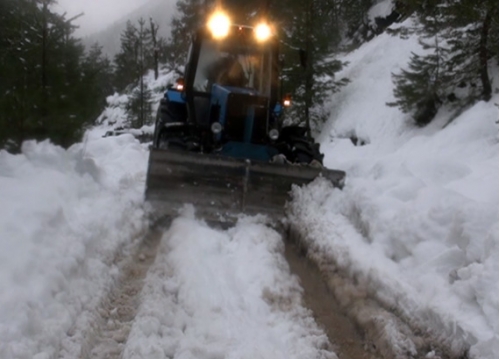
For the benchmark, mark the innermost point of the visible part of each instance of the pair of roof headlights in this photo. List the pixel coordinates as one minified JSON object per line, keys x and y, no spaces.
{"x":219,"y":25}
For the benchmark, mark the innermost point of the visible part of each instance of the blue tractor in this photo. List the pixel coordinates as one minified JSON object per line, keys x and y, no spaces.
{"x":219,"y":140}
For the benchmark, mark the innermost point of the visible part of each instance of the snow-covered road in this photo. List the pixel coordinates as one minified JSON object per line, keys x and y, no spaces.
{"x":74,"y":217}
{"x":223,"y":294}
{"x":412,"y":238}
{"x":198,"y":291}
{"x":74,"y":259}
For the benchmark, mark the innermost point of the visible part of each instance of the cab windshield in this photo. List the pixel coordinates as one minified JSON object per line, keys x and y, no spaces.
{"x":233,"y":63}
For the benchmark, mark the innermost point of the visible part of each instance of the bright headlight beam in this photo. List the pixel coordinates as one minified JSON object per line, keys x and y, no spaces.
{"x":262,"y":32}
{"x":219,"y":24}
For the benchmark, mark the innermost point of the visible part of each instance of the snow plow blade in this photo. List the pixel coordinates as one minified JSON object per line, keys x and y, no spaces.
{"x":221,"y":188}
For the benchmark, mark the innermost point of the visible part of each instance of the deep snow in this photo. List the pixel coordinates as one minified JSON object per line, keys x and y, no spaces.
{"x":418,"y":218}
{"x":417,"y":223}
{"x":64,"y":217}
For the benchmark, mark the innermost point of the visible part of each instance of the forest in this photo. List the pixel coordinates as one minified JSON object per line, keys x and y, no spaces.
{"x":54,"y":88}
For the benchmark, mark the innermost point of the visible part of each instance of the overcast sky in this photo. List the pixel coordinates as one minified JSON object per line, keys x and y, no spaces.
{"x":99,"y":14}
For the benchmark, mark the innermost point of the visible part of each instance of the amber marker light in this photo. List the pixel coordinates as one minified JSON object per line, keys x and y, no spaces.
{"x":262,"y":32}
{"x":179,"y":84}
{"x":287,"y":100}
{"x":219,"y":24}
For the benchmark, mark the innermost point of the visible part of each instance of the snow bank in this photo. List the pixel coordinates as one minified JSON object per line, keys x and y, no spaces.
{"x":359,"y":109}
{"x":223,"y":294}
{"x":64,"y":216}
{"x":418,"y":218}
{"x":114,"y":115}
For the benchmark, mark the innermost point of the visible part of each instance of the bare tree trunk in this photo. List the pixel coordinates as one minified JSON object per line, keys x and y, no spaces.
{"x":141,"y":117}
{"x":483,"y":57}
{"x":309,"y":65}
{"x":141,"y":73}
{"x":44,"y":105}
{"x":154,"y":32}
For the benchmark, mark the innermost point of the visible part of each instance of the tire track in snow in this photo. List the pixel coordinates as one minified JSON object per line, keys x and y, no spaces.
{"x":110,"y":331}
{"x":347,"y":339}
{"x":118,"y":311}
{"x":386,"y":331}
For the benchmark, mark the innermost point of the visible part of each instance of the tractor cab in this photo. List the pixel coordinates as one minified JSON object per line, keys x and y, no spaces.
{"x":231,"y":90}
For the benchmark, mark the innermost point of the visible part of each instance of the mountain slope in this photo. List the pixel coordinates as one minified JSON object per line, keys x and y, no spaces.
{"x":161,"y":11}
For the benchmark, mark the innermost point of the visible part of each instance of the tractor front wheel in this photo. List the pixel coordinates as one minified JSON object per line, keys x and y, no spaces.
{"x":297,"y":147}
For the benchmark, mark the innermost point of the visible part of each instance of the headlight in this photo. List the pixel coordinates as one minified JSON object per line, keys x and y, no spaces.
{"x":216,"y":128}
{"x":219,"y":24}
{"x":274,"y":134}
{"x":262,"y":32}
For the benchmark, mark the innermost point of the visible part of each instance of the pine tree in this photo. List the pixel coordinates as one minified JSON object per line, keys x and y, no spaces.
{"x":473,"y":39}
{"x":96,"y":83}
{"x":164,"y":54}
{"x":155,"y":45}
{"x":312,"y":79}
{"x":126,"y":69}
{"x":137,"y":56}
{"x":417,"y":89}
{"x":191,"y":14}
{"x":420,"y":90}
{"x":15,"y":59}
{"x":40,"y":71}
{"x":139,"y":110}
{"x":141,"y":50}
{"x":465,"y":35}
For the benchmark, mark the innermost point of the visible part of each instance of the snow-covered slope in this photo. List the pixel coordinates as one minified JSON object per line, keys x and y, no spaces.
{"x":418,"y":219}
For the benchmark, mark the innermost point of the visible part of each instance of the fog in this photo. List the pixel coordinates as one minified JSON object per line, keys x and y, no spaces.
{"x":98,"y":14}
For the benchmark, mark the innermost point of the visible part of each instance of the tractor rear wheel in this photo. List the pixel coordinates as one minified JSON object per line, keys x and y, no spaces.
{"x":172,"y":130}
